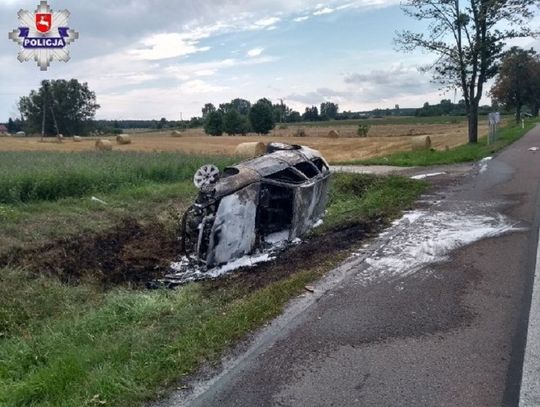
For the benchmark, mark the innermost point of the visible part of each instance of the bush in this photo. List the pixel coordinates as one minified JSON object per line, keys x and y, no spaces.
{"x":362,"y":130}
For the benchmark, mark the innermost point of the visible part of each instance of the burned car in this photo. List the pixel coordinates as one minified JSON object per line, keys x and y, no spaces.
{"x":251,"y":206}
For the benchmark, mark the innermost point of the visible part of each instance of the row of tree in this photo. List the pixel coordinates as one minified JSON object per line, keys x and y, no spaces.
{"x":239,"y":117}
{"x":518,"y":82}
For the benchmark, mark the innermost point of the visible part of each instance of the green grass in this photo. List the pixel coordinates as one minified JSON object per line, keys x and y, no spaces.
{"x":38,"y":176}
{"x":63,"y":345}
{"x":412,"y":120}
{"x":464,"y":153}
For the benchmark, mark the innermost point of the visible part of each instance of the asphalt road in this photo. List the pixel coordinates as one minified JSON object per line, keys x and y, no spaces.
{"x":433,"y":313}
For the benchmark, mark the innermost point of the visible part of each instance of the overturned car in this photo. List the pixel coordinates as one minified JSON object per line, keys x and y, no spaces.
{"x":251,"y":206}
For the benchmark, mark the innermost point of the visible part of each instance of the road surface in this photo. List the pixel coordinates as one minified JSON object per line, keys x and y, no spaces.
{"x":435,"y":312}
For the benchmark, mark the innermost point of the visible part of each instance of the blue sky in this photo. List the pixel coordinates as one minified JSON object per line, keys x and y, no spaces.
{"x":156,"y":58}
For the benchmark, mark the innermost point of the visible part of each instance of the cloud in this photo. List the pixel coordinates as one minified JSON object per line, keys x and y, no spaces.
{"x":325,"y":10}
{"x":255,"y":52}
{"x":169,"y":45}
{"x":265,"y":23}
{"x":300,"y":19}
{"x":199,"y":86}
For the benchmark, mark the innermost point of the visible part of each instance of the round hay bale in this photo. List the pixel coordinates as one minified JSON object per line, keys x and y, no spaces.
{"x":176,"y":133}
{"x":249,"y":150}
{"x":103,"y":145}
{"x":420,"y":143}
{"x":123,"y":139}
{"x":77,"y":139}
{"x":333,"y":134}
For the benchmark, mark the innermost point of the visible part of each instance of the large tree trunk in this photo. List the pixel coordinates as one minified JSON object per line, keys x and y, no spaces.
{"x":473,"y":123}
{"x":518,"y":113}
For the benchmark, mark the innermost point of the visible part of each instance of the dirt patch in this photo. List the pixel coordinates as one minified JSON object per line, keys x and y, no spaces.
{"x":130,"y":252}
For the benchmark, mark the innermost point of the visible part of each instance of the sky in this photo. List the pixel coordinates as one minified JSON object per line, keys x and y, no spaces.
{"x":148,"y":59}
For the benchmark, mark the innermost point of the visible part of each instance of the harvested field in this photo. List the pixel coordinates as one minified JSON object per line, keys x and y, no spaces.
{"x":382,"y":140}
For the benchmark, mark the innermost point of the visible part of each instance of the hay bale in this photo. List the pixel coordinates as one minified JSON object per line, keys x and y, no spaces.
{"x":249,"y":150}
{"x":123,"y":139}
{"x":333,"y":134}
{"x":104,"y":145}
{"x":420,"y":143}
{"x":176,"y":133}
{"x":300,"y":133}
{"x":77,"y":139}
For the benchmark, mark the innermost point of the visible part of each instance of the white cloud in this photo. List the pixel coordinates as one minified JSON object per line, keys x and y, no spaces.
{"x":255,"y":52}
{"x":265,"y":23}
{"x":300,"y":19}
{"x":325,"y":10}
{"x":168,"y":45}
{"x":199,"y":86}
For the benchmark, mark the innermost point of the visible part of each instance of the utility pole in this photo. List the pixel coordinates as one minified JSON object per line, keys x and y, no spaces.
{"x":43,"y":109}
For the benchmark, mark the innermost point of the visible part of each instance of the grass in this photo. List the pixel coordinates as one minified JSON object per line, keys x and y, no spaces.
{"x":38,"y":176}
{"x":64,"y":345}
{"x":464,"y":153}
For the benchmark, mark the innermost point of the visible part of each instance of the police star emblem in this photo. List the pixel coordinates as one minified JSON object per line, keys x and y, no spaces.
{"x":44,"y":35}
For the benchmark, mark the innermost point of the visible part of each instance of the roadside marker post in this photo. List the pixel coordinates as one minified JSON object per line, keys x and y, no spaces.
{"x":494,"y":119}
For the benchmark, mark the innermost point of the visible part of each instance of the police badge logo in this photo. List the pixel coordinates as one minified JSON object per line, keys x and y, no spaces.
{"x":44,"y":35}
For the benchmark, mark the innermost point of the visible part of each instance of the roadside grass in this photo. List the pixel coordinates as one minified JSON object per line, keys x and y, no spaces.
{"x":33,"y":224}
{"x":463,"y":153}
{"x":49,"y":176}
{"x":79,"y":345}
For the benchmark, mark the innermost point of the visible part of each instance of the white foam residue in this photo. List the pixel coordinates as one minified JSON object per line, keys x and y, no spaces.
{"x":277,"y":237}
{"x":434,"y":236}
{"x":318,"y":223}
{"x":422,"y":176}
{"x":187,"y":272}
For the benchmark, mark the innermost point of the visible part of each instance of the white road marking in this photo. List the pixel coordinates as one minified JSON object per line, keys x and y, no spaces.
{"x":530,"y":380}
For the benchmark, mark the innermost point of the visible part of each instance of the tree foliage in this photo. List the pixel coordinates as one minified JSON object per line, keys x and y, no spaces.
{"x":468,"y":39}
{"x":213,"y":124}
{"x":518,"y":82}
{"x":262,"y":117}
{"x":235,"y":123}
{"x":71,"y":103}
{"x":329,"y":110}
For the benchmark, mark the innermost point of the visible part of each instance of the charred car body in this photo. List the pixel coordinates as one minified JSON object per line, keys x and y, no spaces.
{"x":251,"y":206}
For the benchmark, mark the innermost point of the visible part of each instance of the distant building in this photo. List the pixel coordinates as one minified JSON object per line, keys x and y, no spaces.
{"x":3,"y":129}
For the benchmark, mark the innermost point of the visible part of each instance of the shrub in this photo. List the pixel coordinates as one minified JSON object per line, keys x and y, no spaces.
{"x":362,"y":130}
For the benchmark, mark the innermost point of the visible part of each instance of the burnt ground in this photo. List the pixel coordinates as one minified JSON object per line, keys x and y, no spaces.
{"x":134,"y":253}
{"x":130,"y":252}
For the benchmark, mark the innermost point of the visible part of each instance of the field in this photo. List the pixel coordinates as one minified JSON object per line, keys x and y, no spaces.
{"x":77,"y":326}
{"x":385,"y":137}
{"x":81,"y":233}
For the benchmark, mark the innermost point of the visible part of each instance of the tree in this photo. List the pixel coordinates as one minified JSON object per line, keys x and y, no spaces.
{"x":213,"y":124}
{"x":208,"y":108}
{"x":235,"y":123}
{"x":261,"y":116}
{"x":329,"y":110}
{"x":311,"y":114}
{"x":11,"y":126}
{"x":468,"y":40}
{"x":69,"y":107}
{"x":515,"y":85}
{"x":242,"y":106}
{"x":294,"y":117}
